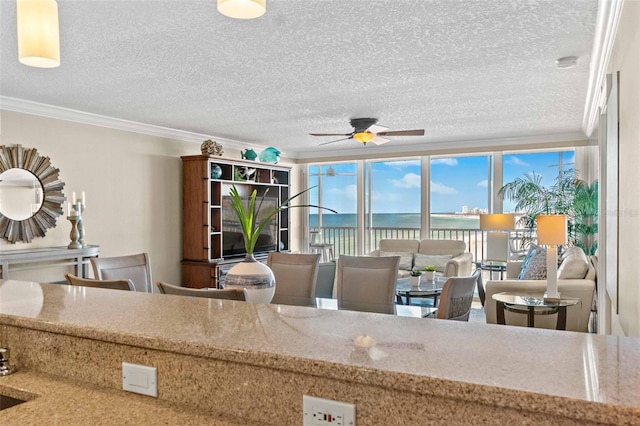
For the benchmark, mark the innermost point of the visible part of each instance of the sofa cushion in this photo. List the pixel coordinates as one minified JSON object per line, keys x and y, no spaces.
{"x":575,"y":264}
{"x":437,"y":260}
{"x":406,"y":258}
{"x":534,"y":264}
{"x":450,"y":247}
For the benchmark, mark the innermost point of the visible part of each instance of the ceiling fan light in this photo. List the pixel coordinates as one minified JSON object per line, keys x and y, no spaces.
{"x":38,"y":33}
{"x":242,"y":9}
{"x":363,"y":137}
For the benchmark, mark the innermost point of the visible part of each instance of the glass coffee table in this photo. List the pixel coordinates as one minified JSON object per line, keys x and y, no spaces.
{"x":427,"y":288}
{"x":532,"y":305}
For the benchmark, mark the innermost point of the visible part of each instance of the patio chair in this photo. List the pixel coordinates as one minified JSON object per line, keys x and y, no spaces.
{"x":367,"y":283}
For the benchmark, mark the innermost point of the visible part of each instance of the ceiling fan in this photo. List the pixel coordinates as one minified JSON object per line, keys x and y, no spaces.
{"x":366,"y":130}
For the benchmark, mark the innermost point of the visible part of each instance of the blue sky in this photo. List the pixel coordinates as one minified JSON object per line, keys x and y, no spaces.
{"x":455,"y":181}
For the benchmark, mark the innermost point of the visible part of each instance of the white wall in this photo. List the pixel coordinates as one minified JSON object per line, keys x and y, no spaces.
{"x":625,"y":58}
{"x":133,"y":185}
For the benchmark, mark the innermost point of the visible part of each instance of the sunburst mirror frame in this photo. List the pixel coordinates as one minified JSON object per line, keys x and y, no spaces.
{"x":17,"y":157}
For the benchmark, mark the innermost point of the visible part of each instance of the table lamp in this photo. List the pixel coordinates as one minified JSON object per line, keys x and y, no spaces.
{"x":497,"y":242}
{"x":552,"y":232}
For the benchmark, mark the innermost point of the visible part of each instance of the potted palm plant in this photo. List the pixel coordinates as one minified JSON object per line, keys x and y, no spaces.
{"x":255,"y":278}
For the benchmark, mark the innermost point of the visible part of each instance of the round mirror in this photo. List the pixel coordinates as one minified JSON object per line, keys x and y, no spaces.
{"x":30,"y":194}
{"x":20,"y":194}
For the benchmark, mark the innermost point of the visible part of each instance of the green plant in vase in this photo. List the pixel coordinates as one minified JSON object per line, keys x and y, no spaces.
{"x":430,"y":272}
{"x":255,"y":278}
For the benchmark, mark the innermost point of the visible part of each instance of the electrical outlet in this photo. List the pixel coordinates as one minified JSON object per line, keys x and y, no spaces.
{"x":325,"y":412}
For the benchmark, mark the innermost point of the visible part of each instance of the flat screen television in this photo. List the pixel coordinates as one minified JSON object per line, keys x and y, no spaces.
{"x":232,"y":239}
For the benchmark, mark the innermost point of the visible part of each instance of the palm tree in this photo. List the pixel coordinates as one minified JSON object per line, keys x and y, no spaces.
{"x":569,"y":196}
{"x":533,"y":199}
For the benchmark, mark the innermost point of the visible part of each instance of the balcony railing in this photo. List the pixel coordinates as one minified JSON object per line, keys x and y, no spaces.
{"x":344,"y":239}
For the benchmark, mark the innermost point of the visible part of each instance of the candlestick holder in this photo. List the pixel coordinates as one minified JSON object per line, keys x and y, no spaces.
{"x":74,"y":235}
{"x":81,"y":232}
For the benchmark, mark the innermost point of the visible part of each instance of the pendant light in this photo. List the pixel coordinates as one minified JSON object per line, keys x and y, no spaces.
{"x":242,"y":9}
{"x":38,"y":34}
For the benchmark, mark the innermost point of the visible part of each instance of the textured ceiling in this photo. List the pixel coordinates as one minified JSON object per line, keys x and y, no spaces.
{"x":462,"y":70}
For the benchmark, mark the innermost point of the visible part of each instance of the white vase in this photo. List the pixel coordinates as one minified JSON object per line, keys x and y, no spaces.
{"x":255,"y":278}
{"x":429,"y":275}
{"x":415,"y":281}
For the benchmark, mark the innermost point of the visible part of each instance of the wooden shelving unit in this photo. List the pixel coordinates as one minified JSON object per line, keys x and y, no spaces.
{"x":206,"y":214}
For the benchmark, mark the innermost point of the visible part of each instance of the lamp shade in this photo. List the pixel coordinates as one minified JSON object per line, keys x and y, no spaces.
{"x":497,"y":222}
{"x":38,"y":33}
{"x":552,"y":229}
{"x":242,"y":9}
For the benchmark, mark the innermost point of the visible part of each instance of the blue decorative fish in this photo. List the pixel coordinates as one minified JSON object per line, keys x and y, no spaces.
{"x":270,"y":155}
{"x":249,"y":154}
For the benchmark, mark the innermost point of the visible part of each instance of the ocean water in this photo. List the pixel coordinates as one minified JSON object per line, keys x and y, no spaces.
{"x":399,"y":220}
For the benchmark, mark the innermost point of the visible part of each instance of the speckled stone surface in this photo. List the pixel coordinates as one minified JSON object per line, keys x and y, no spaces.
{"x":54,"y":401}
{"x":238,"y":359}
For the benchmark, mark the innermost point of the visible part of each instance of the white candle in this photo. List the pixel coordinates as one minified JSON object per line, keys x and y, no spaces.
{"x":73,"y":197}
{"x":84,"y":200}
{"x":68,"y":209}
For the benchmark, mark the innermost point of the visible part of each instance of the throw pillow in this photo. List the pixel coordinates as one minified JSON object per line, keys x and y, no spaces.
{"x":575,"y":264}
{"x":534,"y":265}
{"x":437,"y":260}
{"x":406,"y":258}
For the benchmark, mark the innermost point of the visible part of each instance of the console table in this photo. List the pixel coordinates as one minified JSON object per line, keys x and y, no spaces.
{"x":44,"y":257}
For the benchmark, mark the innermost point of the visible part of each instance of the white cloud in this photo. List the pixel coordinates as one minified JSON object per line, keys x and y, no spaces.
{"x":483,"y":183}
{"x":349,"y":192}
{"x":442,"y":189}
{"x":515,"y":161}
{"x":445,"y":161}
{"x":410,"y":180}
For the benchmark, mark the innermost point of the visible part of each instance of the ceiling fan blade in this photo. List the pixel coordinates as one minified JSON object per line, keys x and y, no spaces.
{"x":379,"y":141}
{"x":417,"y":132}
{"x":374,"y":128}
{"x":330,"y":134}
{"x":337,"y":140}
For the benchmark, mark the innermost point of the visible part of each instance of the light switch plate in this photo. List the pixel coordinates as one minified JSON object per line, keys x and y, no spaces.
{"x":139,"y":379}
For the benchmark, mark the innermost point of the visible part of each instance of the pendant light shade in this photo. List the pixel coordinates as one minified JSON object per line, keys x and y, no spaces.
{"x":38,"y":34}
{"x":242,"y":9}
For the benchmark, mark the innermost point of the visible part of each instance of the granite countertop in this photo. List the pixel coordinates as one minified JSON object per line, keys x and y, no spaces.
{"x":492,"y":363}
{"x":61,"y":402}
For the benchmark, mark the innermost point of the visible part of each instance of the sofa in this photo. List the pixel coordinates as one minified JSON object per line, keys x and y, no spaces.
{"x":448,"y":256}
{"x":576,"y":279}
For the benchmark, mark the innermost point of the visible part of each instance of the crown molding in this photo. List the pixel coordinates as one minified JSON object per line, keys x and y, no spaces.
{"x":443,"y":146}
{"x":66,"y":114}
{"x":606,"y":28}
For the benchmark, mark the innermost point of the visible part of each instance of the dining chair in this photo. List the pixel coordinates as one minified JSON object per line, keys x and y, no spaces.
{"x":136,"y":268}
{"x":112,"y":284}
{"x":296,"y":276}
{"x":212,"y":293}
{"x":326,"y":279}
{"x":457,"y":296}
{"x":367,"y":283}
